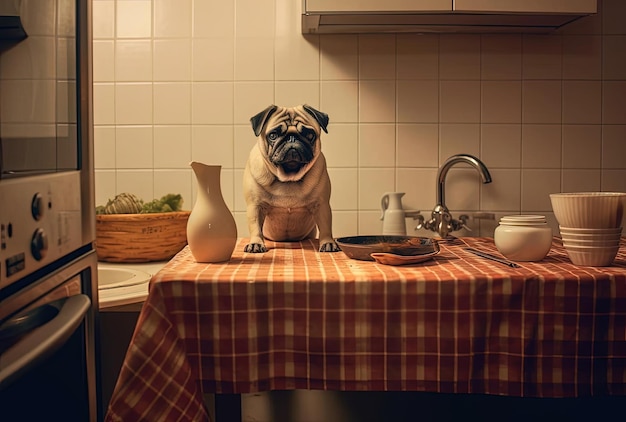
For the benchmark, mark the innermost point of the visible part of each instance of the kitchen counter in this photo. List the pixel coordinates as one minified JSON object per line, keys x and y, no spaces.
{"x":294,"y":318}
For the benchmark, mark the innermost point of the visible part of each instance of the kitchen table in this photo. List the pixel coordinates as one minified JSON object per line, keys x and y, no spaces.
{"x":294,"y":318}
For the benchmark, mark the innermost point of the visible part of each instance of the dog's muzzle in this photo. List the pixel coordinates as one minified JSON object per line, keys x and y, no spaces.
{"x":291,"y":154}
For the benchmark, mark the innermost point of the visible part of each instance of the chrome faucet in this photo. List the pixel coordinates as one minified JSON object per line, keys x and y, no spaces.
{"x":441,"y":220}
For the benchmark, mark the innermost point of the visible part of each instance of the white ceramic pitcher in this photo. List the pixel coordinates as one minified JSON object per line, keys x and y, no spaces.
{"x":393,"y":214}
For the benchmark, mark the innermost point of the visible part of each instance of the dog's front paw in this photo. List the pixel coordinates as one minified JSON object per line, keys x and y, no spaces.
{"x":255,"y":248}
{"x":329,"y":247}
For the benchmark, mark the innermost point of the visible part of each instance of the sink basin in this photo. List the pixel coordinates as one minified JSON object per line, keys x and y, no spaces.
{"x":112,"y":278}
{"x":121,"y":286}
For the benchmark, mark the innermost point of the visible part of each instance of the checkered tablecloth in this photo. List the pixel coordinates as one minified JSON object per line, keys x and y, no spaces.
{"x":294,"y":318}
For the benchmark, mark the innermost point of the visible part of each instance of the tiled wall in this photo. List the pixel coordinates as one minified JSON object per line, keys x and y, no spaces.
{"x":178,"y":80}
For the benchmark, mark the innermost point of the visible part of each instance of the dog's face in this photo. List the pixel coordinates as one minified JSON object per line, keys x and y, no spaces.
{"x":289,"y":139}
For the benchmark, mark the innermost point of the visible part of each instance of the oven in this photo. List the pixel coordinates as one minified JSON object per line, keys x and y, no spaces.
{"x":49,"y":318}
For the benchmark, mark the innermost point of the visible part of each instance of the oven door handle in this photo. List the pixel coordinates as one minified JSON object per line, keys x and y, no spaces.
{"x":44,"y":340}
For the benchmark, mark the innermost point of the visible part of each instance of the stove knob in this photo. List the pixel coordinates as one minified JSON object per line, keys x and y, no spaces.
{"x":37,"y":207}
{"x":39,"y":245}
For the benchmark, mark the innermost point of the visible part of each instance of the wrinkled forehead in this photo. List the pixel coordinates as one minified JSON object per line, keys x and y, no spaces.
{"x":292,"y":117}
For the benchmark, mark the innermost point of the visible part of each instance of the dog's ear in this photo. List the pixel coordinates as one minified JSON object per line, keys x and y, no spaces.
{"x":259,"y":120}
{"x":322,"y":118}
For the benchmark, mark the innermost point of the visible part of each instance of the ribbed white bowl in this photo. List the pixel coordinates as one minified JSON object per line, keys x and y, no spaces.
{"x":589,"y":209}
{"x":592,"y":256}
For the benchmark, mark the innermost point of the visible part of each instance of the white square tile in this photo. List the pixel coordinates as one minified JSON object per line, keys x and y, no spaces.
{"x":369,"y":223}
{"x":103,"y":61}
{"x":212,"y":103}
{"x":172,"y":18}
{"x":419,"y":186}
{"x":377,"y":145}
{"x":172,"y":147}
{"x":133,"y":60}
{"x":582,"y":146}
{"x":377,"y":56}
{"x":345,"y":185}
{"x":175,"y":182}
{"x":417,"y":56}
{"x":293,"y":93}
{"x":459,"y":102}
{"x":134,"y":147}
{"x":105,"y":186}
{"x":458,"y":139}
{"x":103,"y":104}
{"x":541,"y":146}
{"x":501,"y":145}
{"x":339,"y":57}
{"x":377,"y":101}
{"x":103,"y":19}
{"x":104,"y":147}
{"x":537,"y":185}
{"x":373,"y":183}
{"x":541,"y":101}
{"x":137,"y":182}
{"x":418,"y":101}
{"x":418,"y":145}
{"x":613,"y":146}
{"x":243,"y":143}
{"x":251,"y":98}
{"x":501,"y":102}
{"x":504,"y":191}
{"x":614,"y":181}
{"x":339,"y":99}
{"x":172,"y":103}
{"x":459,"y":57}
{"x":134,"y":19}
{"x":582,"y":57}
{"x":341,"y":145}
{"x":501,"y":57}
{"x":614,"y":57}
{"x":613,"y":94}
{"x":345,"y":223}
{"x":133,"y":103}
{"x":254,"y":18}
{"x":172,"y":60}
{"x":581,"y":180}
{"x":205,"y":25}
{"x":613,"y":12}
{"x":213,"y":144}
{"x":213,"y":59}
{"x":254,"y":59}
{"x":582,"y":102}
{"x":541,"y":57}
{"x":296,"y":59}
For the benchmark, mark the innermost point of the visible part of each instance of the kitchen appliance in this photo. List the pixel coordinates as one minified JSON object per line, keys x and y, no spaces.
{"x":48,"y":266}
{"x":441,"y":16}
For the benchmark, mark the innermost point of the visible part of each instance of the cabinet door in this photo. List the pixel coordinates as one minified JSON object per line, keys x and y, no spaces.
{"x":526,"y":6}
{"x":319,"y":6}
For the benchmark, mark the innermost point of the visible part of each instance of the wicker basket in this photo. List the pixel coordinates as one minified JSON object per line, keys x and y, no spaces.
{"x":140,"y":237}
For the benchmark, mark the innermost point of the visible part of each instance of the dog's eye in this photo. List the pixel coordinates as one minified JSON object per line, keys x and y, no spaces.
{"x":309,"y":134}
{"x":272,"y":136}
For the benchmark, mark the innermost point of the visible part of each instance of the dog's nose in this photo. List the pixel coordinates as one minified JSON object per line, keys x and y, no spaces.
{"x":292,"y":138}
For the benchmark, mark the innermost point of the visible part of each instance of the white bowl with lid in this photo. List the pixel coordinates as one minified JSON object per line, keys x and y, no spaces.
{"x":523,"y":237}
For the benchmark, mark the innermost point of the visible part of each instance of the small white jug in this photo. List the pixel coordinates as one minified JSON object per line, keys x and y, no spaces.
{"x":393,"y":214}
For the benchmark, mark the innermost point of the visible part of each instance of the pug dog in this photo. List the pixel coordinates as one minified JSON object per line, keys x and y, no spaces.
{"x":285,"y":182}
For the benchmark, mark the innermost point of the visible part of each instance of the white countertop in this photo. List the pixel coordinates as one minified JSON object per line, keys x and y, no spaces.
{"x":134,"y":294}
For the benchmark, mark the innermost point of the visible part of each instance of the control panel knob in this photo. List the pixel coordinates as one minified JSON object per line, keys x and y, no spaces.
{"x":39,"y":244}
{"x":37,"y":207}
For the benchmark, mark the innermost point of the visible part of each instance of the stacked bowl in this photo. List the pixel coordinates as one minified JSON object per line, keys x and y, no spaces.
{"x":590,"y":224}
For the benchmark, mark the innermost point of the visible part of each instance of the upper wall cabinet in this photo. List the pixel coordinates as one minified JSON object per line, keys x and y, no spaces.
{"x":486,"y":16}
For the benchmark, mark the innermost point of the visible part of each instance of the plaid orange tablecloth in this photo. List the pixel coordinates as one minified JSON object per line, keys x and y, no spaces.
{"x":293,"y":318}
